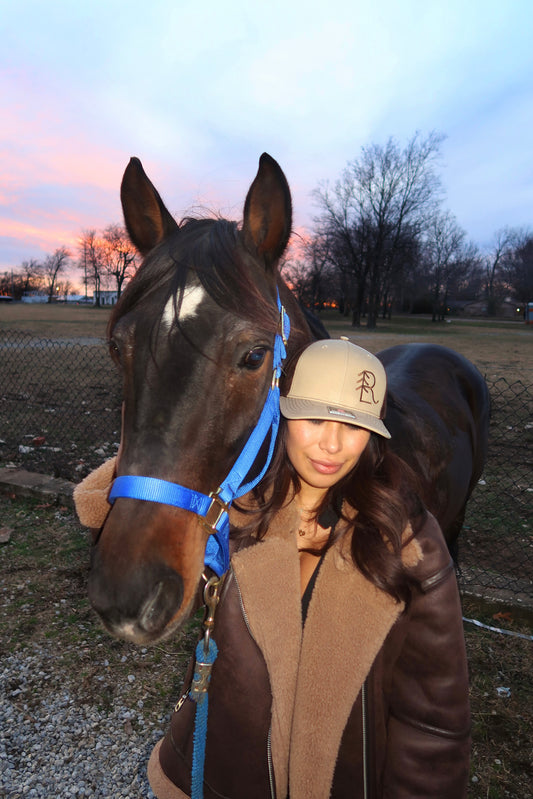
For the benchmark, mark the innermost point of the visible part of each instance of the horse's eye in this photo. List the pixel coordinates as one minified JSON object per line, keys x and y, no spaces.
{"x":254,"y":358}
{"x":114,"y":351}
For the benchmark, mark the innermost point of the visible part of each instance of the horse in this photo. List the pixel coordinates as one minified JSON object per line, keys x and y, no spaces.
{"x":194,"y":336}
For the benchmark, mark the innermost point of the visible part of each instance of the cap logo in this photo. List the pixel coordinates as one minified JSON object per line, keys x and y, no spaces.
{"x":365,"y":386}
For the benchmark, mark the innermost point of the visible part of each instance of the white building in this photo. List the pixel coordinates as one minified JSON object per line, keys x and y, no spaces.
{"x":108,"y":297}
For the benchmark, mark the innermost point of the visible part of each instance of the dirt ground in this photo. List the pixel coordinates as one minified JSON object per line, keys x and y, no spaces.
{"x":43,"y":575}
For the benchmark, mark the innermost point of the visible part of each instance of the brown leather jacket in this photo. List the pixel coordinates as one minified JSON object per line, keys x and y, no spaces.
{"x":364,"y":694}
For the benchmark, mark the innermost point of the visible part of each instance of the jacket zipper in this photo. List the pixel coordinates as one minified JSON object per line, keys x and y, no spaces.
{"x":270,"y":766}
{"x":365,"y":742}
{"x":269,"y":742}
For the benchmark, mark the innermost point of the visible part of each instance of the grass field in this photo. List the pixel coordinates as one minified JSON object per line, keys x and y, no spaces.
{"x":55,"y":320}
{"x":497,"y":348}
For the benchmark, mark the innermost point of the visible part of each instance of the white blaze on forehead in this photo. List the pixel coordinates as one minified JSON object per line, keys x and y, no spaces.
{"x":192,"y":297}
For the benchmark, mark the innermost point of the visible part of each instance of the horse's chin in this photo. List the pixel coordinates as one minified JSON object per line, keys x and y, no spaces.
{"x":134,"y":633}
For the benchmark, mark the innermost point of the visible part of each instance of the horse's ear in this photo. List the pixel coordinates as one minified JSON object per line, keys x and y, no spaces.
{"x":268,"y":212}
{"x":147,"y":220}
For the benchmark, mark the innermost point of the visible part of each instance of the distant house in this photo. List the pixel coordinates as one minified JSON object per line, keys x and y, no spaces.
{"x":34,"y":296}
{"x":108,"y":297}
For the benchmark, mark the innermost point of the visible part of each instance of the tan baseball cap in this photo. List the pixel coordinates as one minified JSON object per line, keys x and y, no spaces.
{"x":338,"y":381}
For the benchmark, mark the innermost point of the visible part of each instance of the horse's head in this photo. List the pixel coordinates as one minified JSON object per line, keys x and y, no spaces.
{"x":193,"y":336}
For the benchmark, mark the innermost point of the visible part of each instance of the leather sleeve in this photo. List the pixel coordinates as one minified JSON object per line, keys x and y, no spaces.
{"x":428,"y":736}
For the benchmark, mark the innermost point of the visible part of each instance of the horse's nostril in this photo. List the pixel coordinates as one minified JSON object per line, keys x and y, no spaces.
{"x":162,"y":604}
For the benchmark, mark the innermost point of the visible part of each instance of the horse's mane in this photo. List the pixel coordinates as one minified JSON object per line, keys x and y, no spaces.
{"x":212,"y":249}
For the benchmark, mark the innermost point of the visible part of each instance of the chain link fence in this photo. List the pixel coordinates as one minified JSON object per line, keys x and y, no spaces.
{"x":60,"y":414}
{"x":496,"y":545}
{"x":60,"y":404}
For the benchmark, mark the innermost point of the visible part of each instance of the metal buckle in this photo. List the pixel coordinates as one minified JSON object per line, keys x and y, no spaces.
{"x":201,"y":679}
{"x":223,"y":507}
{"x":211,"y":598}
{"x":181,"y":701}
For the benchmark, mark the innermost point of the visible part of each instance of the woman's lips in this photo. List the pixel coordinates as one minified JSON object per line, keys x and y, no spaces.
{"x":325,"y":467}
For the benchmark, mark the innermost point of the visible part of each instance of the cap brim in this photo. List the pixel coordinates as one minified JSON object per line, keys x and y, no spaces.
{"x":294,"y":408}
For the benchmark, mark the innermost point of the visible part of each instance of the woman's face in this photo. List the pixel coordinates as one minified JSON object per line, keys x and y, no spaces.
{"x":323,"y":452}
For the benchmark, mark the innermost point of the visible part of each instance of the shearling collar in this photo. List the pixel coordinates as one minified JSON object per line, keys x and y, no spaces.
{"x":316,"y":675}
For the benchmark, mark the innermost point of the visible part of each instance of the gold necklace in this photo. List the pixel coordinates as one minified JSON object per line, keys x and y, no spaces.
{"x":312,"y":529}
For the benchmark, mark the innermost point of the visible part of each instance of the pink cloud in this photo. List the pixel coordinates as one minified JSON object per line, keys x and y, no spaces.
{"x":59,"y":175}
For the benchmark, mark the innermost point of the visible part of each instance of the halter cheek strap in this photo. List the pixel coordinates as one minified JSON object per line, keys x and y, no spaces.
{"x":213,"y":508}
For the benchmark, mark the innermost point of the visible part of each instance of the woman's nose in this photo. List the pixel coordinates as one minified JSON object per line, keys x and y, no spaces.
{"x":331,"y":438}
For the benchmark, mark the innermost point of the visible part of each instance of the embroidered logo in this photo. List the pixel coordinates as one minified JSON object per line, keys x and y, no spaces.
{"x":365,"y":386}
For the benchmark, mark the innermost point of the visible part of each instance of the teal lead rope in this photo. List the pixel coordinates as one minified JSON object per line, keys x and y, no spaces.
{"x":202,"y":675}
{"x":206,"y":653}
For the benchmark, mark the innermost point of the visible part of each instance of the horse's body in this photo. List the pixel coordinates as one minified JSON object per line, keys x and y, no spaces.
{"x":193,"y":335}
{"x":438,"y":416}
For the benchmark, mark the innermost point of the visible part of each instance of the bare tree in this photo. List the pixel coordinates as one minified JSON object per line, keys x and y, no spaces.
{"x":31,"y":273}
{"x":500,"y":250}
{"x":385,"y":198}
{"x":517,"y":266}
{"x":63,"y":288}
{"x":443,"y":253}
{"x":7,"y":285}
{"x":323,"y":286}
{"x":343,"y":237}
{"x":91,"y":259}
{"x":295,"y":272}
{"x":53,"y":266}
{"x":118,"y":255}
{"x":310,"y":280}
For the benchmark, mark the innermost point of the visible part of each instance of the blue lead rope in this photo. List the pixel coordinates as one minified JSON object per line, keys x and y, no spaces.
{"x":199,"y":693}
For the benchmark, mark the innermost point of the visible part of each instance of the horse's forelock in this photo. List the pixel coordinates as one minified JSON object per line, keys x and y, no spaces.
{"x":233,"y":279}
{"x":212,"y":250}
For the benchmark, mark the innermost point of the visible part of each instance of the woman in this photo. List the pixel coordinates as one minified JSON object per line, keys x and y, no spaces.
{"x":341,"y":669}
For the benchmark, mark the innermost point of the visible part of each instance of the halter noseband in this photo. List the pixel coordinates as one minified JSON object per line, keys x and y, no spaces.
{"x":213,"y":508}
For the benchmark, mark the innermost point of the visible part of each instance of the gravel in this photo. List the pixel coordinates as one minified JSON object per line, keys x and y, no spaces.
{"x":55,"y":744}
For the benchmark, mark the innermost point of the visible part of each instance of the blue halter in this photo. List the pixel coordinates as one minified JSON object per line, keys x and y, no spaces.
{"x":213,"y":508}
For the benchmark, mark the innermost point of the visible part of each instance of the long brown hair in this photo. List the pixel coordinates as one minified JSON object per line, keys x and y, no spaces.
{"x":381,"y":488}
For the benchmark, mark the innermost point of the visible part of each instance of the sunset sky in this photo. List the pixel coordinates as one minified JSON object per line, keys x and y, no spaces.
{"x":198,"y":90}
